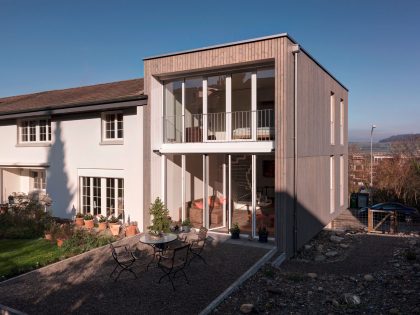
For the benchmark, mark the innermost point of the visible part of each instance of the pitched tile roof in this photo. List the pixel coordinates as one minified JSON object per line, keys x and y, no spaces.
{"x":94,"y":94}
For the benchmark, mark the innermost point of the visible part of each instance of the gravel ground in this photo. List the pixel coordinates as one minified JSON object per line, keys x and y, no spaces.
{"x":370,"y":274}
{"x":81,"y":284}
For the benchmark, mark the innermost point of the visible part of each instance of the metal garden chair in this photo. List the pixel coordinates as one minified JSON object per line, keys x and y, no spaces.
{"x":174,"y":261}
{"x":197,"y":245}
{"x":124,"y":260}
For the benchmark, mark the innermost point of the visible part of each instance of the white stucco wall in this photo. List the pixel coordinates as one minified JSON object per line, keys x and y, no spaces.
{"x":76,"y":148}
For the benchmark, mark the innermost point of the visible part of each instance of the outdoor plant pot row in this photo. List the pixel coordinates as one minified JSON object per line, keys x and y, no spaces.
{"x":114,"y":225}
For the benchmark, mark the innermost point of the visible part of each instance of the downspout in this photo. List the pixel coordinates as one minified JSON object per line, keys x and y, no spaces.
{"x":295,"y":51}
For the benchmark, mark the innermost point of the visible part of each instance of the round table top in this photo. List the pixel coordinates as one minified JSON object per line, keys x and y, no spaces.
{"x":150,"y":239}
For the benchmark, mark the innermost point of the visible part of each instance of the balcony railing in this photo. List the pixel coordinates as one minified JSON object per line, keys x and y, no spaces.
{"x":224,"y":126}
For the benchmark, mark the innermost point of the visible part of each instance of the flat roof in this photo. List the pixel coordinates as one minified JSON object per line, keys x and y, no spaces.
{"x":245,"y":42}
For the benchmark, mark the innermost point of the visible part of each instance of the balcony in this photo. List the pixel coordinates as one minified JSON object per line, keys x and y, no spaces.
{"x":220,"y":127}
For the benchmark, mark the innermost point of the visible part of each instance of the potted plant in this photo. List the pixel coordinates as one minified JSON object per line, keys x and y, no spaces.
{"x":102,"y":223}
{"x":62,"y":233}
{"x":235,"y":230}
{"x":186,"y":225}
{"x":262,"y":234}
{"x":114,"y":225}
{"x":79,"y":219}
{"x":161,"y":222}
{"x":89,"y":220}
{"x":131,"y":229}
{"x":51,"y":230}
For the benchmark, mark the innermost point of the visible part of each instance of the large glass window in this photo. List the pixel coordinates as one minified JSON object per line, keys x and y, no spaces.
{"x":110,"y":196}
{"x":194,"y":110}
{"x":97,"y":201}
{"x":241,"y":105}
{"x":241,"y":191}
{"x":216,"y":107}
{"x":102,"y":196}
{"x":86,"y":194}
{"x":265,"y":104}
{"x":173,"y":111}
{"x":237,"y":105}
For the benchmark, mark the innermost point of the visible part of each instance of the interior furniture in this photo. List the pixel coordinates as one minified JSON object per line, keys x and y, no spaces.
{"x":174,"y":261}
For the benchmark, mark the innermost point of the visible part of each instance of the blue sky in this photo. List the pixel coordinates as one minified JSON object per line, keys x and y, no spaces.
{"x":373,"y":47}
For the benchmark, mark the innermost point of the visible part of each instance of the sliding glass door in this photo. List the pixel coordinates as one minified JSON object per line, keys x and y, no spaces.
{"x":220,"y":190}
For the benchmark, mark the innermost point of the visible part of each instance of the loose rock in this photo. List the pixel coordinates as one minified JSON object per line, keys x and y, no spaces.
{"x":368,"y":277}
{"x":319,"y":258}
{"x":312,"y":275}
{"x":331,"y":254}
{"x":246,"y":308}
{"x":351,"y":299}
{"x":336,"y":239}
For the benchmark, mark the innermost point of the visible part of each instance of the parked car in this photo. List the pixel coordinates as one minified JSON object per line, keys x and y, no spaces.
{"x":404,"y":213}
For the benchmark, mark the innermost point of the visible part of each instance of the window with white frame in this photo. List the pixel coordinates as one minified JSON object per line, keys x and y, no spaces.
{"x":332,"y":185}
{"x":37,"y":180}
{"x":35,"y":130}
{"x":341,"y":122}
{"x":112,"y":126}
{"x":102,"y":195}
{"x":341,"y":180}
{"x":332,"y":118}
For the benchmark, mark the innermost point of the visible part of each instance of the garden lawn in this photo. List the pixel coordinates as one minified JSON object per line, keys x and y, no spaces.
{"x":20,"y":255}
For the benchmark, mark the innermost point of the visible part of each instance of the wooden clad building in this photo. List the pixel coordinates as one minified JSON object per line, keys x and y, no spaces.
{"x":310,"y":125}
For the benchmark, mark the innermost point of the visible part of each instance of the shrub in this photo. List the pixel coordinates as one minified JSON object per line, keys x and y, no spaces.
{"x":26,"y":219}
{"x":82,"y":241}
{"x":161,"y":222}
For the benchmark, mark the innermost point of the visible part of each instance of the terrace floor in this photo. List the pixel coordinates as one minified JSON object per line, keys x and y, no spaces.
{"x":81,"y":284}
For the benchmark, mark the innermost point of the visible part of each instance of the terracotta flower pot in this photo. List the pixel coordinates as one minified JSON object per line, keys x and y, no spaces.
{"x":102,"y":226}
{"x":89,"y":224}
{"x":115,"y":229}
{"x":60,"y":242}
{"x":48,"y":236}
{"x":131,"y":230}
{"x":79,"y":222}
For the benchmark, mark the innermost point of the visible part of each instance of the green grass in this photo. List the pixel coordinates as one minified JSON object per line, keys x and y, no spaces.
{"x":18,"y":256}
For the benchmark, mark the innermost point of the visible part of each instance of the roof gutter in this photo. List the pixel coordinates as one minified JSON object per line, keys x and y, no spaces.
{"x":86,"y":107}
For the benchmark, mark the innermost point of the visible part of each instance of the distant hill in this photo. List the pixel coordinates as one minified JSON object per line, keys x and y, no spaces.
{"x":414,"y":137}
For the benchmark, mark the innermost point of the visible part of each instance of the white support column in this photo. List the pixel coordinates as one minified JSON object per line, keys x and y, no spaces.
{"x":183,"y":164}
{"x":183,"y":113}
{"x":205,"y":190}
{"x":205,"y":129}
{"x":224,"y":191}
{"x":229,"y":201}
{"x":254,"y":105}
{"x":229,"y":108}
{"x":163,"y":177}
{"x":254,"y":194}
